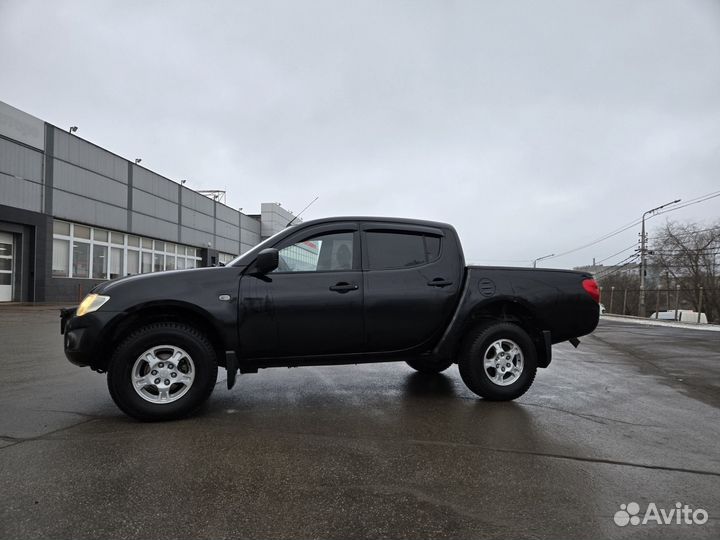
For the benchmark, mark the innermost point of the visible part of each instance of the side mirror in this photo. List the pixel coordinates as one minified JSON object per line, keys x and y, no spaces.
{"x":267,"y":261}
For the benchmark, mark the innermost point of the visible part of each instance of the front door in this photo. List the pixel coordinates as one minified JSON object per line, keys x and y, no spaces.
{"x":312,"y":303}
{"x":6,"y":267}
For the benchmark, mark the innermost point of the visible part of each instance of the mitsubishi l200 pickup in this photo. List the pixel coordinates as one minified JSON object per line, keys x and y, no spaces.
{"x":331,"y":291}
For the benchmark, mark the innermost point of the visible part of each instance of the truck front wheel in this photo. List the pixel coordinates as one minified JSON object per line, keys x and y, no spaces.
{"x":162,"y":371}
{"x":498,"y":362}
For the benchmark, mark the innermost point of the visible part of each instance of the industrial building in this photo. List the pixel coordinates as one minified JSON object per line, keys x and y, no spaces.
{"x":73,"y":214}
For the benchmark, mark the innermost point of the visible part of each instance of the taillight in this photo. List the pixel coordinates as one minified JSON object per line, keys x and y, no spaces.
{"x":591,"y":287}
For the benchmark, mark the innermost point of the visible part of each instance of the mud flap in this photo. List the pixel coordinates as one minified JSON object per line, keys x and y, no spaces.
{"x":545,"y":350}
{"x":231,"y":365}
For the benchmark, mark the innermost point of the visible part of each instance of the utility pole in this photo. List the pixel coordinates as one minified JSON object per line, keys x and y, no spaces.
{"x":535,"y":261}
{"x":643,"y":255}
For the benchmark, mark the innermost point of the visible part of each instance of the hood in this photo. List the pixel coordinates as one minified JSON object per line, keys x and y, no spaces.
{"x":194,"y":285}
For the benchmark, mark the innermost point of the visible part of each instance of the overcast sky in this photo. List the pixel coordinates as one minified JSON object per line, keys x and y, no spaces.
{"x":533,"y":127}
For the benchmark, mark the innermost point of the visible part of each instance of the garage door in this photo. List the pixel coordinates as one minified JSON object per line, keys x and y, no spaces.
{"x":6,"y":267}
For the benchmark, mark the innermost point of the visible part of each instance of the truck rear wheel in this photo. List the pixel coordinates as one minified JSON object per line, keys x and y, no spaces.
{"x":162,"y":371}
{"x":425,"y":365}
{"x":499,"y":362}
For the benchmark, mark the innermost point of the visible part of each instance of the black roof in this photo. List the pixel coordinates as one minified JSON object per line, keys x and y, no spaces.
{"x":406,"y":221}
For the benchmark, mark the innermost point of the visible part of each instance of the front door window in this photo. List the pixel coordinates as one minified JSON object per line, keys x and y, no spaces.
{"x":322,"y":253}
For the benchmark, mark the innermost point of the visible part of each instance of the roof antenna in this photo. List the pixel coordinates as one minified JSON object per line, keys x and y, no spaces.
{"x":303,"y":210}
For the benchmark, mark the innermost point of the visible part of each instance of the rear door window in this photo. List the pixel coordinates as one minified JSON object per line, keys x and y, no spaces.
{"x":388,"y":250}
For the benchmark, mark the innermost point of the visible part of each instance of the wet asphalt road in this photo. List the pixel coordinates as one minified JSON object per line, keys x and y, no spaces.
{"x":374,"y":451}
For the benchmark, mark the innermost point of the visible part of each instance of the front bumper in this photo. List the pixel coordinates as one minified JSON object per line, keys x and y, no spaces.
{"x":83,"y":336}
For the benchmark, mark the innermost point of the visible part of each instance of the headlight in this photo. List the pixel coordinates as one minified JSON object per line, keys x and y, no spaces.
{"x":92,"y":302}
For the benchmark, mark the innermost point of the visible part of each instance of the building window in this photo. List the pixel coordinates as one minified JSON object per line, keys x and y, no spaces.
{"x":116,"y":263}
{"x":133,"y":262}
{"x":103,"y":254}
{"x":158,"y":262}
{"x":81,"y":259}
{"x":61,"y":256}
{"x":61,"y":227}
{"x":225,"y":258}
{"x":100,"y":262}
{"x":146,"y":262}
{"x":81,"y":232}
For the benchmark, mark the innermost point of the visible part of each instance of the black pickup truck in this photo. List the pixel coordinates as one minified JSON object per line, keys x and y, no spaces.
{"x":331,"y":291}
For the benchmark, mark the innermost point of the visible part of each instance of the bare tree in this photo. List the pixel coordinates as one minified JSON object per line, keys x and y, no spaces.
{"x":689,"y":253}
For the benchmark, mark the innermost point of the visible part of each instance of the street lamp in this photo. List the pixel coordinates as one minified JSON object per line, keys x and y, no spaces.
{"x":643,"y":249}
{"x":535,"y":261}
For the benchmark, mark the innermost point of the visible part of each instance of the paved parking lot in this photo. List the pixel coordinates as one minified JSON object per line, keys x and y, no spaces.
{"x":373,"y":451}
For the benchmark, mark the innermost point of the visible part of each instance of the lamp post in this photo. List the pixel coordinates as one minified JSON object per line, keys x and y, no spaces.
{"x":643,"y":250}
{"x":535,"y":261}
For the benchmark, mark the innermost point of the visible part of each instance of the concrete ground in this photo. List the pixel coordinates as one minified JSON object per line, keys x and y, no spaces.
{"x":373,"y":451}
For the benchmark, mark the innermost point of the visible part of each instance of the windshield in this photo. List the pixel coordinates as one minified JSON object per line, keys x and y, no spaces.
{"x":249,"y":256}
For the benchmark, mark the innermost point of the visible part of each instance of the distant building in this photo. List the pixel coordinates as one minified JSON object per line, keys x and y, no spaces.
{"x":601,"y":269}
{"x":73,"y":214}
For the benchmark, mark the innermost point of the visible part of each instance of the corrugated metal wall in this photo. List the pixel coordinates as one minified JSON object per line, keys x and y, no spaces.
{"x":21,"y":176}
{"x":93,"y":186}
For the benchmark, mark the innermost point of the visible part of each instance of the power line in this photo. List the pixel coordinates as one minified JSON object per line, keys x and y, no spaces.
{"x":696,"y":200}
{"x":601,"y":239}
{"x":619,"y":266}
{"x":623,"y":228}
{"x":687,"y":233}
{"x":631,"y":246}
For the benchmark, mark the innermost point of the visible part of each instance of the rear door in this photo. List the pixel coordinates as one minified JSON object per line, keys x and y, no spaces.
{"x":312,"y":304}
{"x":412,"y":277}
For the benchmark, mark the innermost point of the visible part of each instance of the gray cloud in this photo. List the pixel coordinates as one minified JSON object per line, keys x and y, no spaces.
{"x":533,"y":127}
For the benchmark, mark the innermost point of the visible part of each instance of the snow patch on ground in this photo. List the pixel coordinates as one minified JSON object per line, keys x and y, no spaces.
{"x":656,"y":322}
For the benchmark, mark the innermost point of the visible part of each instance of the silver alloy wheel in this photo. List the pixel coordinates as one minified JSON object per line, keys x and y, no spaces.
{"x":503,"y":362}
{"x":163,"y":374}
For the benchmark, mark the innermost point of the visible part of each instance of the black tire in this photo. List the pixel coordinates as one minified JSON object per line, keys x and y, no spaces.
{"x":472,"y":369}
{"x":426,"y":365}
{"x":198,"y":349}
